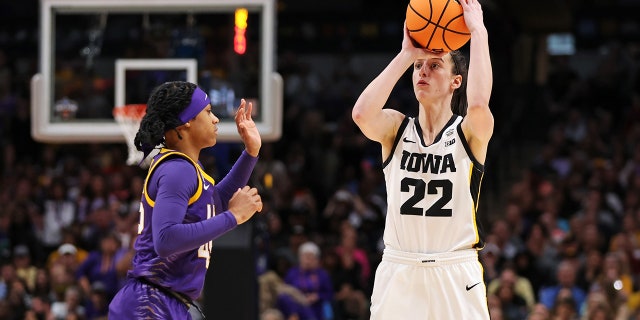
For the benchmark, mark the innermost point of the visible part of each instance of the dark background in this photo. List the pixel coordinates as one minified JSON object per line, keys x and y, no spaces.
{"x":334,"y":34}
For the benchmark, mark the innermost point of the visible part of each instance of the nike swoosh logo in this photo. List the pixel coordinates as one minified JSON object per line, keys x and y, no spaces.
{"x":407,"y":140}
{"x":206,"y":186}
{"x":471,"y":287}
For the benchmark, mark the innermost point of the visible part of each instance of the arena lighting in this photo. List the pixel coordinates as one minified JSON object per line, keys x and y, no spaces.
{"x":239,"y":39}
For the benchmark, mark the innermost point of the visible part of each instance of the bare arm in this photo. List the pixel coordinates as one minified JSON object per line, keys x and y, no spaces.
{"x":478,"y":124}
{"x":378,"y":124}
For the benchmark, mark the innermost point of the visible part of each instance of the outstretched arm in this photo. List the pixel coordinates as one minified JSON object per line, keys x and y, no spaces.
{"x":478,"y":124}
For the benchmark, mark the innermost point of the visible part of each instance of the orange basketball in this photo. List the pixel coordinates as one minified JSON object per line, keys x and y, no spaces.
{"x":437,"y":25}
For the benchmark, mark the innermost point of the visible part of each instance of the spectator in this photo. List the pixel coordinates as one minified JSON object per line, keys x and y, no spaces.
{"x":94,"y":196}
{"x":101,"y":266}
{"x":314,"y":282}
{"x":274,"y":293}
{"x":564,"y":309}
{"x":22,"y":229}
{"x":97,"y":305}
{"x":627,"y":242}
{"x":7,"y":275}
{"x":597,"y":306}
{"x":589,"y":270}
{"x":491,"y":261}
{"x":40,"y":309}
{"x":18,"y":298}
{"x":616,"y":284}
{"x":565,"y":284}
{"x":68,"y":255}
{"x":124,"y":258}
{"x":70,"y":306}
{"x":508,"y":242}
{"x":350,"y":273}
{"x":59,"y":213}
{"x":539,"y":312}
{"x":349,"y":249}
{"x":61,"y":278}
{"x":286,"y":257}
{"x":537,"y":261}
{"x":521,"y":286}
{"x":43,"y":284}
{"x":513,"y":304}
{"x":25,"y":270}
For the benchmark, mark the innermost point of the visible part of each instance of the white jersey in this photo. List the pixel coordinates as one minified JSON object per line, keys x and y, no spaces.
{"x":433,"y":191}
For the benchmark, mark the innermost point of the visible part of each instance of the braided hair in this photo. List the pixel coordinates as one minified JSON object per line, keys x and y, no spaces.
{"x":163,"y":108}
{"x":459,"y":99}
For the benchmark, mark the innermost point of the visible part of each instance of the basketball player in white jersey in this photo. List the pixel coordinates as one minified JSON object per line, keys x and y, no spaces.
{"x":433,"y":166}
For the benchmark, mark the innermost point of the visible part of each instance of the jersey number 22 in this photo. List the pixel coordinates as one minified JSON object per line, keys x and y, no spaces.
{"x":420,"y":191}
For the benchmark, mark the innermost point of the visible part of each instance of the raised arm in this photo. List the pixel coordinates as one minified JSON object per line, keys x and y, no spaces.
{"x":478,"y":123}
{"x":247,"y":128}
{"x":239,"y":175}
{"x":378,"y":124}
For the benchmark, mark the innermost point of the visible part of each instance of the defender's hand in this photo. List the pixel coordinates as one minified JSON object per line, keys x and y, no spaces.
{"x":244,"y":204}
{"x":247,"y":128}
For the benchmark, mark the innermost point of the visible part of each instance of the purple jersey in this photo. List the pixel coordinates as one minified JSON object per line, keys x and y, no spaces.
{"x":181,"y":212}
{"x":189,"y":192}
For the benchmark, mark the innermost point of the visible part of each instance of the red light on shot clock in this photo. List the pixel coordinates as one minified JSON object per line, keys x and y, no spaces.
{"x":239,"y":38}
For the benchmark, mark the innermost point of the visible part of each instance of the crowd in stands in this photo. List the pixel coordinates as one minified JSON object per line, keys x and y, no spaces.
{"x":565,"y":245}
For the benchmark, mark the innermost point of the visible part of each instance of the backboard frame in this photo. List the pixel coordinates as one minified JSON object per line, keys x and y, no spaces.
{"x":123,"y":65}
{"x":46,"y":130}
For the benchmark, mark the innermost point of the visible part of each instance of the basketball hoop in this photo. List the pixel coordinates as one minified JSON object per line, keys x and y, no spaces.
{"x":128,"y":118}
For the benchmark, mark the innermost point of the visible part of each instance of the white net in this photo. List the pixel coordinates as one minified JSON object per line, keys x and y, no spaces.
{"x":128,"y":118}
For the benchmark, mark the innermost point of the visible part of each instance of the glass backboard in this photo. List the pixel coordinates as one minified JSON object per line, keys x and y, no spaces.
{"x":99,"y":54}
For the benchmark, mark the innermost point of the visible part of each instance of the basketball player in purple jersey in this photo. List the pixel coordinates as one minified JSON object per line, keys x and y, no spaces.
{"x":182,"y":208}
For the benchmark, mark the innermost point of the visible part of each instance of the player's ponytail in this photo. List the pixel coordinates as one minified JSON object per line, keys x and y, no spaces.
{"x":165,"y":104}
{"x":459,"y":99}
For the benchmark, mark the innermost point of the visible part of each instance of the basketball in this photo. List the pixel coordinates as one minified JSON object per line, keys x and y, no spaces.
{"x":437,"y":25}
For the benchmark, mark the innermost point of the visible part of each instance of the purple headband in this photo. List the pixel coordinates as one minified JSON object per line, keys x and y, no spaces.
{"x":199,"y":100}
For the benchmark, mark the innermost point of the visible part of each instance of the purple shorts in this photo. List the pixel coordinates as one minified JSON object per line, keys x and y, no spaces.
{"x":137,"y":300}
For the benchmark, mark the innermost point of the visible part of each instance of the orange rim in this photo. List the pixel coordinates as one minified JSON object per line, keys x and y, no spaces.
{"x":136,"y":111}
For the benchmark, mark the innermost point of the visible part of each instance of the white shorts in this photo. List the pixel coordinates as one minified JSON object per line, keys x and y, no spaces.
{"x":429,"y":286}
